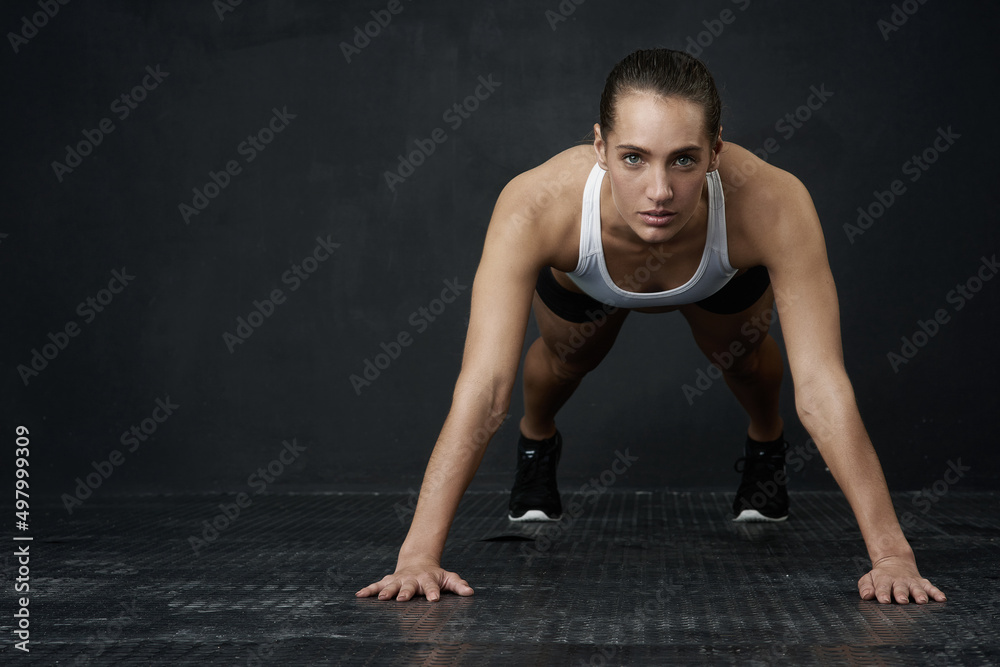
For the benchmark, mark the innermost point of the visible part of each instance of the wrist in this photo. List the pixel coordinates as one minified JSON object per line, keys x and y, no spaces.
{"x":889,"y":547}
{"x":411,"y":552}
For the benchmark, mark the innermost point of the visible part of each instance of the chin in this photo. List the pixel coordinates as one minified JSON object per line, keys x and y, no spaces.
{"x":653,"y":235}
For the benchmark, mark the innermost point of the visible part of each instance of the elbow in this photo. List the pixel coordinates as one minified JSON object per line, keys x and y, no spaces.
{"x":497,"y":414}
{"x":822,"y":405}
{"x":808,"y":413}
{"x":814,"y":412}
{"x":493,"y":398}
{"x":808,"y":403}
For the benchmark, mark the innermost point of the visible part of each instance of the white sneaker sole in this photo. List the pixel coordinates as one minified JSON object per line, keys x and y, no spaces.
{"x":755,"y":516}
{"x":534,"y":515}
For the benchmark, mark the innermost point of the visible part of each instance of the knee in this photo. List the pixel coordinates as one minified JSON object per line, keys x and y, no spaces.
{"x":568,"y":367}
{"x":756,"y":363}
{"x":746,"y":366}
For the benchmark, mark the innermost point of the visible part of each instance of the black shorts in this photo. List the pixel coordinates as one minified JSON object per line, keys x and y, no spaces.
{"x":737,"y":295}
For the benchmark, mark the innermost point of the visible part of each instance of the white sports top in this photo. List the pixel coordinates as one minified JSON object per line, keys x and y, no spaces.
{"x":591,"y":273}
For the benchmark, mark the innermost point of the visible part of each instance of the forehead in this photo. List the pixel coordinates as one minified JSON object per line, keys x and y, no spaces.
{"x":659,"y":123}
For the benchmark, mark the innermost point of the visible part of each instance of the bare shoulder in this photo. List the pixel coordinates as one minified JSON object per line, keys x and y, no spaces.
{"x":750,"y":182}
{"x":766,"y":207}
{"x":545,"y":202}
{"x":543,"y":189}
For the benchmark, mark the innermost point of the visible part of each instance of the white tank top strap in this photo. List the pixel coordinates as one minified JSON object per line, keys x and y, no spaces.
{"x":717,"y":215}
{"x":590,"y":220}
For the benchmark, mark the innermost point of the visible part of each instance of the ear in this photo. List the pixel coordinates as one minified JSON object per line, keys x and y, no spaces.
{"x":717,"y":152}
{"x":600,"y":147}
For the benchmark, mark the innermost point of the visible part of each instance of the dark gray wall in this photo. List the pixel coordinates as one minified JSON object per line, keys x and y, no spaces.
{"x":323,"y":176}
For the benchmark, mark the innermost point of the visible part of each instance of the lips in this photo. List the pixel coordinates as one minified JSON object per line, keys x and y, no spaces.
{"x":657,"y":217}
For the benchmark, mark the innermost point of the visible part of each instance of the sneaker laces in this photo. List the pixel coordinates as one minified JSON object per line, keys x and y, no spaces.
{"x":535,"y":472}
{"x":771,"y":461}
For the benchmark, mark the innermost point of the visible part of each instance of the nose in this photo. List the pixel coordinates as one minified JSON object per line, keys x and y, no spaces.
{"x":658,"y":188}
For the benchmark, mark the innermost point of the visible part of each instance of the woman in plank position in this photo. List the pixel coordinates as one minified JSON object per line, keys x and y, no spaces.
{"x":659,"y":215}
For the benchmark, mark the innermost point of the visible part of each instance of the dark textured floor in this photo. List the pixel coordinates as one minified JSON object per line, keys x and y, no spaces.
{"x":639,"y":578}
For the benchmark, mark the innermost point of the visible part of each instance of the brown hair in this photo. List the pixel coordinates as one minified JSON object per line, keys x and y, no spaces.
{"x":667,"y":73}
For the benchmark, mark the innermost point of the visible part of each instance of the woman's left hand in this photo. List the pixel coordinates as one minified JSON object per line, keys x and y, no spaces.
{"x":896,"y":577}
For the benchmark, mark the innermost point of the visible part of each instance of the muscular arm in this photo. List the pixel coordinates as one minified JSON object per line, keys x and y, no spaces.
{"x":501,"y":302}
{"x":794,"y":251}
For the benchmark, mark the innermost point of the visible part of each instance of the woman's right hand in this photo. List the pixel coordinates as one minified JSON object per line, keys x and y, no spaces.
{"x":425,"y":578}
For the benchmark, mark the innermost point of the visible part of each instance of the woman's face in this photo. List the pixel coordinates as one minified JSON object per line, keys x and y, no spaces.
{"x":657,"y":156}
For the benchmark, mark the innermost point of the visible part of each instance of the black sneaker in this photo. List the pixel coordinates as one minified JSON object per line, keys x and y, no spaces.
{"x":535,"y":496}
{"x":763,"y":494}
